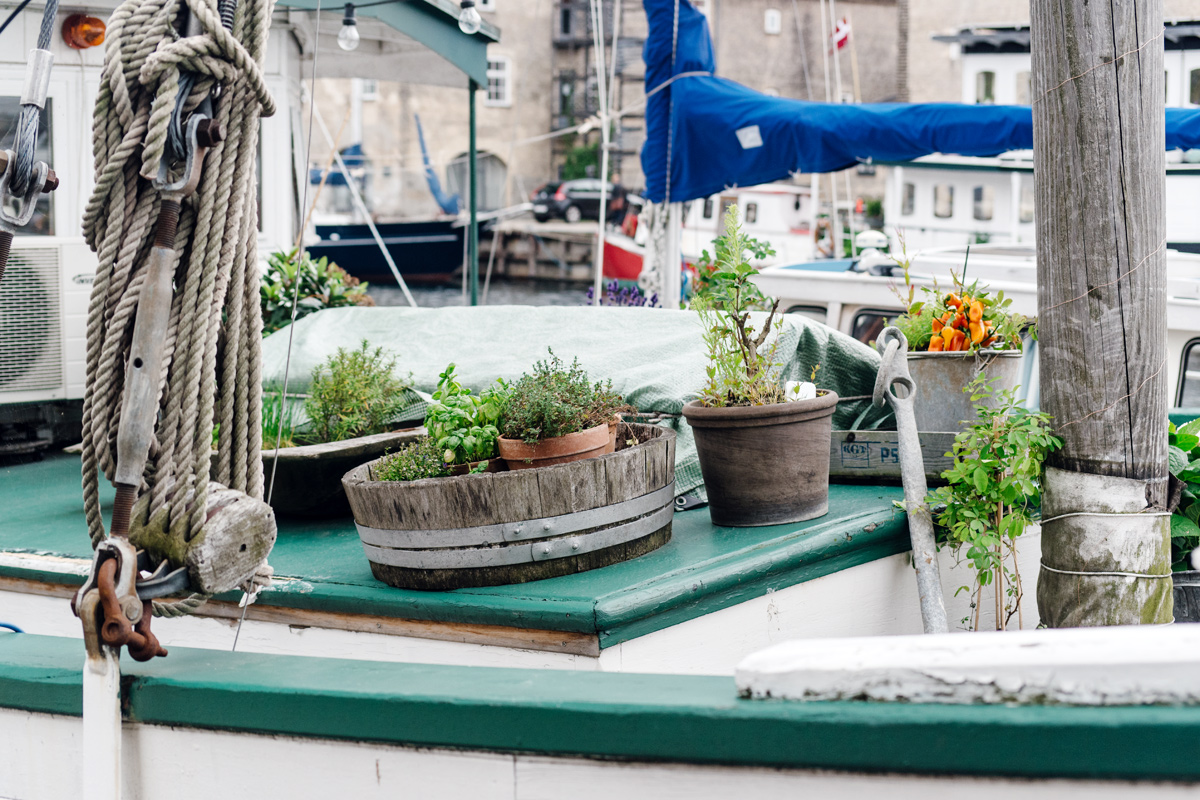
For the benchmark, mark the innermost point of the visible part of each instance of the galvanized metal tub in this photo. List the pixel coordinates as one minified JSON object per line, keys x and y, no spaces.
{"x":940,"y":403}
{"x":518,"y":526}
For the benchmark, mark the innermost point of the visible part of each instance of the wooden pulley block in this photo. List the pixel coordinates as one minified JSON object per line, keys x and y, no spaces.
{"x":225,"y":553}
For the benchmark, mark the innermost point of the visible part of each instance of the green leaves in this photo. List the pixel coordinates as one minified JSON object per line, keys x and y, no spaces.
{"x":555,"y":400}
{"x":321,"y":285}
{"x":992,"y":485}
{"x":354,"y":393}
{"x":1183,"y":461}
{"x":463,"y":424}
{"x":420,"y":459}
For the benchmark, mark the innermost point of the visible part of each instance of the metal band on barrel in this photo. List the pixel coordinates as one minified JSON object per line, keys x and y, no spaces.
{"x":543,"y":550}
{"x":524,"y":531}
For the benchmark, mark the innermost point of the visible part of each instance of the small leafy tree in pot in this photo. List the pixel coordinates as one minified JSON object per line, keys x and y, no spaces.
{"x":354,"y":393}
{"x":992,"y":492}
{"x":764,"y":451}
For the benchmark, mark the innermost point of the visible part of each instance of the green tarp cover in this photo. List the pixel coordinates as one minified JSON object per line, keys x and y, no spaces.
{"x":654,"y":357}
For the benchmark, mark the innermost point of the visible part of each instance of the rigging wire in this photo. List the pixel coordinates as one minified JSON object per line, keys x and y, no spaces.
{"x":312,"y":107}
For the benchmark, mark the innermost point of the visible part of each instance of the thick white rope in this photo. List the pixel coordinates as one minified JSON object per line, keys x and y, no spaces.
{"x":212,"y":367}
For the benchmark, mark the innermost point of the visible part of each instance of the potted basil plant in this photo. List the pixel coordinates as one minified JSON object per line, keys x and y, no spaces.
{"x":463,"y":425}
{"x":764,"y":456}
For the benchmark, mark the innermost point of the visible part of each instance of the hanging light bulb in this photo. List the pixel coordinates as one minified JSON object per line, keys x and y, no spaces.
{"x":348,"y":36}
{"x":469,"y":19}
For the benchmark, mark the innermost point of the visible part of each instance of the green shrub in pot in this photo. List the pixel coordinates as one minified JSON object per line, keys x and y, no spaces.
{"x":765,"y":458}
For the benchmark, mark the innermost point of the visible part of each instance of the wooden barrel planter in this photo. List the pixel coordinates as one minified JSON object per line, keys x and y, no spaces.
{"x":518,"y":526}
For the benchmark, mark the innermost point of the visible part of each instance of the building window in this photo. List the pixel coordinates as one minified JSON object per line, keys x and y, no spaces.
{"x":1027,"y":203}
{"x":42,"y":223}
{"x":370,"y":89}
{"x":1024,"y":87}
{"x":943,"y":201}
{"x":751,"y":213}
{"x":564,"y":21}
{"x":985,"y":200}
{"x":985,"y":87}
{"x":772,"y":22}
{"x":499,"y":82}
{"x":1194,"y":88}
{"x":908,"y":200}
{"x":708,"y":208}
{"x":491,"y":175}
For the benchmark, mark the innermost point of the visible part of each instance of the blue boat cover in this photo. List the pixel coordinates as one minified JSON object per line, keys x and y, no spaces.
{"x":353,"y":156}
{"x":717,"y":133}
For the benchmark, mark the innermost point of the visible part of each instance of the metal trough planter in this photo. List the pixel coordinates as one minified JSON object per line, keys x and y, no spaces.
{"x":522,"y":525}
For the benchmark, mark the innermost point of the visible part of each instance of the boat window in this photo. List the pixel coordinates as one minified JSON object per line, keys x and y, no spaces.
{"x":42,"y":223}
{"x":869,"y":323}
{"x":1027,"y":202}
{"x":708,"y":208}
{"x":985,"y":199}
{"x":815,"y":313}
{"x":1024,"y":87}
{"x":908,"y":201}
{"x":1188,"y":393}
{"x":985,"y":87}
{"x":751,"y":212}
{"x":370,"y":89}
{"x":1194,"y":88}
{"x":499,"y":82}
{"x":943,"y":200}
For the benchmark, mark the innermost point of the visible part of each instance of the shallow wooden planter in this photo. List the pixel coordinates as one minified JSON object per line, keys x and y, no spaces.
{"x":518,"y":526}
{"x":308,"y":480}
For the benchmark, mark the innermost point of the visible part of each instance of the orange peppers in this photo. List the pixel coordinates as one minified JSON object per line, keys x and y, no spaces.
{"x":976,"y":312}
{"x":962,"y":327}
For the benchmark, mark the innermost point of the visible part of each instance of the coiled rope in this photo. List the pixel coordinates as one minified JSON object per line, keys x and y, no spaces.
{"x":212,"y":369}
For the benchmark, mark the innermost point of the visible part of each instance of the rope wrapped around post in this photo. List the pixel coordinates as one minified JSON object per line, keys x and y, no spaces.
{"x":211,"y":373}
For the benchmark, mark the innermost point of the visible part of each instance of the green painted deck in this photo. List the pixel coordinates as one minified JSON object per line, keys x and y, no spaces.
{"x":674,"y":718}
{"x":703,"y":568}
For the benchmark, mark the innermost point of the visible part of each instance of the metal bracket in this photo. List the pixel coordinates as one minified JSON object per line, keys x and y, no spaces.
{"x":26,"y":204}
{"x":189,"y":178}
{"x":163,"y":581}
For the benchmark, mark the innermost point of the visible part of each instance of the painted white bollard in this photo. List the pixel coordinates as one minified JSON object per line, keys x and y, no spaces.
{"x":102,"y":726}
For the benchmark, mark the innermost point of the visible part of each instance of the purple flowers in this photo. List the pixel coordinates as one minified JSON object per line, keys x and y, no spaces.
{"x":616,"y":295}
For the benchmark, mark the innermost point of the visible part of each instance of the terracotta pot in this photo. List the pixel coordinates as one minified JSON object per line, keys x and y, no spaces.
{"x":765,"y":465}
{"x":613,"y":425}
{"x":493,"y":465}
{"x":559,"y":450}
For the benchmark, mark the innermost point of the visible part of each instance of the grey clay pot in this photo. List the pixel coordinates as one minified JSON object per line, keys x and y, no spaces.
{"x":765,"y":465}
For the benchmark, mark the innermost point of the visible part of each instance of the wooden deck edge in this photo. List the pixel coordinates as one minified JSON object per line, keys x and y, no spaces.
{"x":571,"y":643}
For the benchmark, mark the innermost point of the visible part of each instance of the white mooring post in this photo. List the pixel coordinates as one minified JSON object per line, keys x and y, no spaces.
{"x":102,"y":726}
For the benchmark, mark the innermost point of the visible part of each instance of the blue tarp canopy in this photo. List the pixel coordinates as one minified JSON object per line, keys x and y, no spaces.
{"x":718,"y":133}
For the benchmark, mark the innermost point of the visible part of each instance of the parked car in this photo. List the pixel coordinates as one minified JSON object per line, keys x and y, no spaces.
{"x":571,"y":200}
{"x":542,"y":198}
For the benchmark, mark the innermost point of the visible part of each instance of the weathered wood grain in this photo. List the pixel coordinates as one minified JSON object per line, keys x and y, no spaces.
{"x":1100,"y":166}
{"x":1098,"y":130}
{"x":469,"y":502}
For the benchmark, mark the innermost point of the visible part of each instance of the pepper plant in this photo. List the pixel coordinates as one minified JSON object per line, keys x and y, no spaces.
{"x":742,"y":366}
{"x":992,"y":492}
{"x":463,"y":425}
{"x":1183,"y":456}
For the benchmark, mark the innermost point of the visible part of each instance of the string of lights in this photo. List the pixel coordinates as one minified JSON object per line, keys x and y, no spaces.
{"x":348,"y":37}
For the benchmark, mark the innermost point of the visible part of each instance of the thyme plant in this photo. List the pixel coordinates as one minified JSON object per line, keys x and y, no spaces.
{"x":742,"y":365}
{"x":992,"y":492}
{"x":555,"y":400}
{"x":412,"y":462}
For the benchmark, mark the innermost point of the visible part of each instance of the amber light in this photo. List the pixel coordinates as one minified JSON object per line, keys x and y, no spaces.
{"x":83,"y":32}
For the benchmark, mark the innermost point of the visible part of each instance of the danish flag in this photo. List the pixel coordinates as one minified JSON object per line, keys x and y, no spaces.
{"x":840,"y":35}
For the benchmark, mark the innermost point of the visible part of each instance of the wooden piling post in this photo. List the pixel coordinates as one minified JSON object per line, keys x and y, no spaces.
{"x":1099,"y":154}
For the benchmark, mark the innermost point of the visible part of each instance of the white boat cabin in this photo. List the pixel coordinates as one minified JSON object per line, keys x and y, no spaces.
{"x":781,"y":214}
{"x":942,"y":201}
